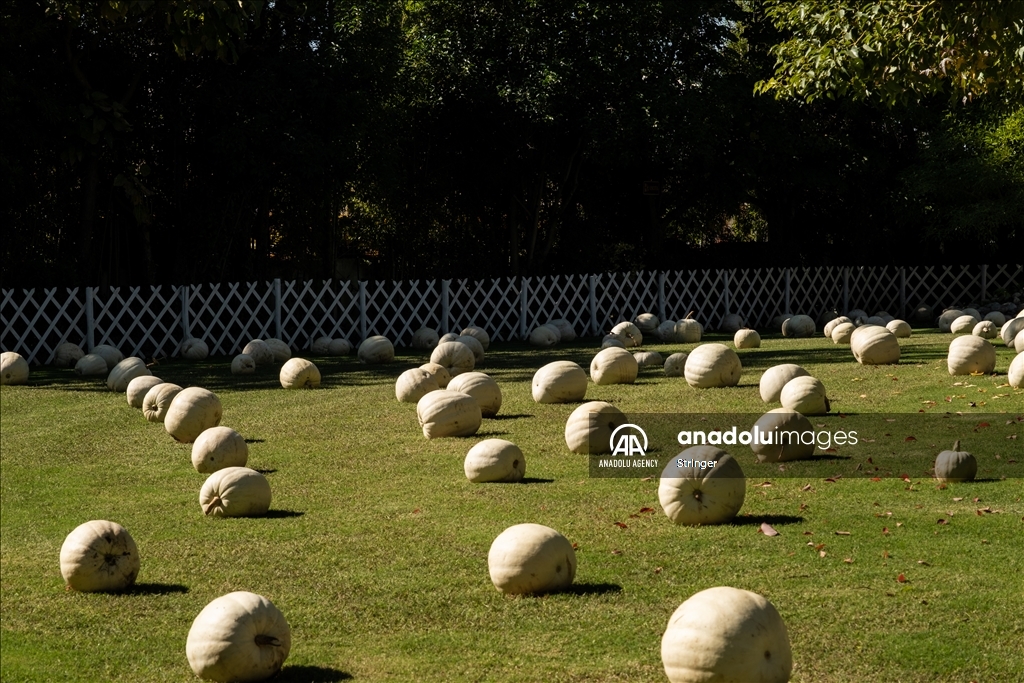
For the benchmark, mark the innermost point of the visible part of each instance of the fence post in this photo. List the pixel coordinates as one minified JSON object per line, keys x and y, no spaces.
{"x":593,"y":305}
{"x":277,"y":307}
{"x":186,"y":323}
{"x":789,"y":272}
{"x":903,"y":293}
{"x":523,"y":307}
{"x":661,"y":295}
{"x":846,"y":289}
{"x":362,"y":310}
{"x":984,"y":283}
{"x":728,"y":302}
{"x":90,"y":321}
{"x":445,"y":311}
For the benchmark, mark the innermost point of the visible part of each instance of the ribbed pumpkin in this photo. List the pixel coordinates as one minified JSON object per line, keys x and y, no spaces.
{"x":789,"y":433}
{"x":494,"y":460}
{"x":137,"y":389}
{"x":194,"y":349}
{"x":1018,"y":342}
{"x":13,"y":368}
{"x":955,"y":465}
{"x":110,"y":355}
{"x":235,"y":492}
{"x":798,"y":326}
{"x":482,"y":387}
{"x":874,"y":345}
{"x":692,"y":495}
{"x":985,"y":329}
{"x":217,"y":448}
{"x":414,"y":384}
{"x":1015,"y":375}
{"x":589,"y":427}
{"x":805,"y":395}
{"x":299,"y":373}
{"x":240,"y":636}
{"x":776,"y":377}
{"x":900,"y":328}
{"x":630,"y":333}
{"x":67,"y":354}
{"x":158,"y":400}
{"x":963,"y":325}
{"x":666,"y":332}
{"x":857,"y":314}
{"x":279,"y":348}
{"x":997,"y":318}
{"x":544,"y":336}
{"x":746,"y":339}
{"x":843,"y":333}
{"x":648,"y":359}
{"x":559,"y":382}
{"x":258,"y":350}
{"x":99,"y":556}
{"x":947,"y":317}
{"x":712,"y":365}
{"x":124,"y":372}
{"x":613,"y":341}
{"x":675,"y":364}
{"x":339,"y":347}
{"x":447,"y":337}
{"x":454,"y":356}
{"x":243,"y":364}
{"x":477,"y":333}
{"x":444,"y":413}
{"x":726,"y":635}
{"x":970,"y":354}
{"x":613,"y":366}
{"x":732,"y":323}
{"x":191,"y":411}
{"x":319,"y":346}
{"x":647,"y":323}
{"x":565,"y":329}
{"x":528,"y":559}
{"x":424,"y":338}
{"x":780,"y":320}
{"x":474,"y":345}
{"x":689,"y":331}
{"x":376,"y":349}
{"x":1009,"y":331}
{"x":439,"y":373}
{"x":835,"y":322}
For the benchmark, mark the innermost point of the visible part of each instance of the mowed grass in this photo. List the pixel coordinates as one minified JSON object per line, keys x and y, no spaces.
{"x":376,"y":547}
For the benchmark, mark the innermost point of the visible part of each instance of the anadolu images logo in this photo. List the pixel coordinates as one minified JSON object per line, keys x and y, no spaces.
{"x":628,"y":444}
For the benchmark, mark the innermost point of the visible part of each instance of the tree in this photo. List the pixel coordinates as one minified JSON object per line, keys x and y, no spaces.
{"x":898,"y":52}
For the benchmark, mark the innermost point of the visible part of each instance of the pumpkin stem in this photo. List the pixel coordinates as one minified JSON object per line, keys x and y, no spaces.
{"x":208,"y":508}
{"x":267,"y":640}
{"x":956,"y":446}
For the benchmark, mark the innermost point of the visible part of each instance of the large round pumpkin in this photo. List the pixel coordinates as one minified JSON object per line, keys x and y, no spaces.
{"x":138,"y":388}
{"x":235,"y":492}
{"x":675,"y":365}
{"x":99,"y":556}
{"x":1015,"y":374}
{"x":955,"y":465}
{"x":124,"y":372}
{"x":482,"y":387}
{"x":648,"y":359}
{"x":666,"y":332}
{"x":985,"y":329}
{"x":843,"y":333}
{"x":712,"y":365}
{"x":746,"y":339}
{"x":444,"y":413}
{"x":970,"y":354}
{"x":477,"y":333}
{"x":805,"y":395}
{"x":613,"y":341}
{"x":439,"y":373}
{"x":702,"y":485}
{"x":217,"y":448}
{"x":299,"y":373}
{"x":798,"y":326}
{"x":900,"y":328}
{"x":13,"y":368}
{"x":158,"y":399}
{"x":424,"y":338}
{"x":776,"y":377}
{"x":339,"y":347}
{"x":963,"y":325}
{"x":192,"y":411}
{"x":782,"y":435}
{"x":835,"y":322}
{"x":413,"y":384}
{"x":240,"y":636}
{"x":947,"y":317}
{"x":474,"y":345}
{"x":454,"y":356}
{"x":647,"y":323}
{"x":528,"y":559}
{"x":1009,"y":331}
{"x":260,"y":352}
{"x":688,"y":331}
{"x":589,"y":427}
{"x":726,"y":635}
{"x":544,"y":336}
{"x":110,"y":355}
{"x":243,"y":364}
{"x":194,"y":349}
{"x":68,"y":353}
{"x":559,"y":382}
{"x":376,"y":349}
{"x":874,"y":345}
{"x":565,"y":329}
{"x":279,"y":348}
{"x":320,"y":346}
{"x":732,"y":323}
{"x":630,"y":333}
{"x":613,"y":366}
{"x":495,"y":460}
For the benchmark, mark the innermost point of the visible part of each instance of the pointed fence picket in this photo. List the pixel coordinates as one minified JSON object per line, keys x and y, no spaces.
{"x":153,"y":321}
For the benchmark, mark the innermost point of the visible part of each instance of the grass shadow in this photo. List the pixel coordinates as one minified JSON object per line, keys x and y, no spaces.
{"x":774,"y":520}
{"x":311,"y":674}
{"x":492,"y":432}
{"x":282,"y":514}
{"x":509,"y":417}
{"x":592,"y":589}
{"x":266,"y":472}
{"x":255,"y":440}
{"x":155,"y":589}
{"x":535,"y":480}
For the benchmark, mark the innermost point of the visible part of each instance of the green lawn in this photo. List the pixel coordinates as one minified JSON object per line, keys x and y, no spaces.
{"x":376,"y":546}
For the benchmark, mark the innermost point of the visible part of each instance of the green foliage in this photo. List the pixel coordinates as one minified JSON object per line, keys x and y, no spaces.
{"x":897,"y":52}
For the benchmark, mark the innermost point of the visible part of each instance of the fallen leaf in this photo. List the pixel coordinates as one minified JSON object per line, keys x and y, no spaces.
{"x":876,"y":479}
{"x":885,"y":531}
{"x":977,"y":500}
{"x":942,"y":521}
{"x":647,"y":478}
{"x":643,"y":510}
{"x":819,"y":546}
{"x":922,"y":562}
{"x":657,"y":570}
{"x":843,"y":533}
{"x":910,"y":438}
{"x":899,"y":524}
{"x":616,"y":552}
{"x":768,"y":530}
{"x":984,"y":424}
{"x":763,"y":484}
{"x":416,"y":511}
{"x":905,"y":477}
{"x":957,"y":500}
{"x":901,"y":578}
{"x":885,"y":554}
{"x":575,"y":546}
{"x":848,"y":560}
{"x":621,"y":525}
{"x":806,"y":488}
{"x":822,"y":553}
{"x":803,"y":506}
{"x":863,"y":395}
{"x":808,"y":533}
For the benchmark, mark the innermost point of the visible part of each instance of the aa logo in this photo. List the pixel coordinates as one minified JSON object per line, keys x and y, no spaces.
{"x":625,"y":440}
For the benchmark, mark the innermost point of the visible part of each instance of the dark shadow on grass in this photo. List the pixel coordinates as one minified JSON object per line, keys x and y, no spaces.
{"x":265,"y":472}
{"x":752,"y":520}
{"x":491,"y":433}
{"x":311,"y":674}
{"x":281,"y":514}
{"x":593,"y":588}
{"x":255,"y":440}
{"x":515,"y":416}
{"x":155,"y":589}
{"x":535,"y":480}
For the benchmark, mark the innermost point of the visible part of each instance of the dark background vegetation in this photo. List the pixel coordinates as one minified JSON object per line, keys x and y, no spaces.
{"x":202,"y":141}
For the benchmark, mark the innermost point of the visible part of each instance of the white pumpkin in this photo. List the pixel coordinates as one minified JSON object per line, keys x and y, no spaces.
{"x":424,"y":338}
{"x":1015,"y":375}
{"x":782,"y":435}
{"x":194,"y":349}
{"x":474,"y":345}
{"x":1009,"y":331}
{"x":138,"y":388}
{"x":192,"y":411}
{"x":439,"y":373}
{"x":235,"y":492}
{"x":776,"y":377}
{"x":613,"y":366}
{"x":319,"y":346}
{"x":702,"y":485}
{"x":559,"y":382}
{"x":158,"y":400}
{"x":922,"y":314}
{"x":857,"y":314}
{"x":805,"y":395}
{"x":447,"y":337}
{"x":454,"y":356}
{"x":589,"y":428}
{"x":946,"y":319}
{"x":125,"y":371}
{"x":973,"y":312}
{"x":565,"y":329}
{"x":732,"y":323}
{"x":495,"y":460}
{"x":874,"y":345}
{"x":528,"y":559}
{"x":666,"y":332}
{"x":886,"y":317}
{"x":376,"y":349}
{"x":712,"y":365}
{"x":414,"y":384}
{"x":900,"y":328}
{"x":260,"y":352}
{"x":67,"y":354}
{"x":874,"y":320}
{"x":963,"y":325}
{"x":746,"y":339}
{"x":613,"y":341}
{"x":647,"y":323}
{"x":217,"y":448}
{"x":997,"y":318}
{"x":843,"y":333}
{"x":798,"y":326}
{"x":477,"y":333}
{"x":544,"y":336}
{"x":299,"y":373}
{"x":240,"y":636}
{"x":280,"y":349}
{"x":243,"y":364}
{"x":780,"y":320}
{"x":444,"y":413}
{"x":985,"y":329}
{"x":726,"y":635}
{"x":630,"y":333}
{"x":1018,"y":342}
{"x":675,"y":364}
{"x":688,"y":331}
{"x":110,"y":355}
{"x":646,"y":359}
{"x":99,"y":556}
{"x":339,"y":347}
{"x":481,"y":387}
{"x":835,"y":322}
{"x":13,"y":368}
{"x":970,"y":354}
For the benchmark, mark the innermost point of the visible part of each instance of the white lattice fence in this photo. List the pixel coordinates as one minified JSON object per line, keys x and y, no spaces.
{"x":318,"y":308}
{"x":37,"y":321}
{"x":814,"y":290}
{"x":494,"y":305}
{"x":397,"y":309}
{"x":140,"y":321}
{"x":623,"y":296}
{"x":701,"y":292}
{"x":757,"y":295}
{"x":558,"y":296}
{"x":227,"y":316}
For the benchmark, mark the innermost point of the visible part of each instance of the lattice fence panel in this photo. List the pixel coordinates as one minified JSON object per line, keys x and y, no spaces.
{"x":875,"y":289}
{"x":696,"y":291}
{"x":397,"y":309}
{"x":559,"y":296}
{"x":318,"y":308}
{"x":1005,"y":283}
{"x":139,"y":321}
{"x":757,"y":295}
{"x":490,"y":304}
{"x":624,"y":296}
{"x":816,"y":290}
{"x":227,"y":316}
{"x":34,"y":322}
